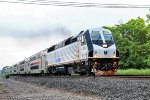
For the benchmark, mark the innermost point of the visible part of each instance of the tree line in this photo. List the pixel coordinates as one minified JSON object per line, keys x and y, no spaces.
{"x":133,"y":42}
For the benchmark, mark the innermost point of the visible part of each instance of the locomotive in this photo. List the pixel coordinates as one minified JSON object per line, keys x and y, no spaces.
{"x":91,"y":52}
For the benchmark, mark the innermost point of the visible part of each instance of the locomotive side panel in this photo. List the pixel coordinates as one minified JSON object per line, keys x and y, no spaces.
{"x":65,"y":55}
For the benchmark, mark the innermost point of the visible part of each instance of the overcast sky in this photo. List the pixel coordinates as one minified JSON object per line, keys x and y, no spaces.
{"x":27,"y":29}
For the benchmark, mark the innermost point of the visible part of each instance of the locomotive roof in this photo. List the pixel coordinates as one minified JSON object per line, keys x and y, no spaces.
{"x":99,"y":29}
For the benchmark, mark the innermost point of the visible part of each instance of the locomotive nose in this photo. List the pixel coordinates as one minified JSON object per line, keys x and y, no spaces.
{"x":104,"y":51}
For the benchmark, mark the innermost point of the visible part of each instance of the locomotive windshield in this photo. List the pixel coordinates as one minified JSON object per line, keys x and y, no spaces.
{"x":108,"y":39}
{"x":102,"y":38}
{"x":96,"y":38}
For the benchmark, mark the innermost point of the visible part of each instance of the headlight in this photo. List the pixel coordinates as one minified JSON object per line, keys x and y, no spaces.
{"x":95,"y":56}
{"x":105,"y":46}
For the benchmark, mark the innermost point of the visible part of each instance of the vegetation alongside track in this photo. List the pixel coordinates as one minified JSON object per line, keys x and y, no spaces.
{"x":133,"y":42}
{"x":133,"y":72}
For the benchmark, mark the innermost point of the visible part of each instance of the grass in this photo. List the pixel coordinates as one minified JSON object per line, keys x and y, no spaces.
{"x":133,"y":72}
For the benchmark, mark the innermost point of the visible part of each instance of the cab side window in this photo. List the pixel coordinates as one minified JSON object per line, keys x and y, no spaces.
{"x":83,"y":41}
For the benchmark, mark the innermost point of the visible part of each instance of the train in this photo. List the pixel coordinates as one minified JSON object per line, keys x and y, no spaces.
{"x":91,"y":52}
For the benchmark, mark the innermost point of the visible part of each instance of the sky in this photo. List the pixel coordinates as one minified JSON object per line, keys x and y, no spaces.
{"x":26,"y":29}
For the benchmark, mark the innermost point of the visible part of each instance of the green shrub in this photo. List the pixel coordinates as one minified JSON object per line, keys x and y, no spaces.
{"x":7,"y":76}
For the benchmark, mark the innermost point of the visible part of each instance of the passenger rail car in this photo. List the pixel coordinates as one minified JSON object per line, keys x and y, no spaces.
{"x":37,"y":63}
{"x":15,"y":70}
{"x":92,"y":51}
{"x":6,"y":70}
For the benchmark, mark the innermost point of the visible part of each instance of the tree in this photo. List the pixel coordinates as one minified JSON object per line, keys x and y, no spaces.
{"x":133,"y":42}
{"x":148,"y":17}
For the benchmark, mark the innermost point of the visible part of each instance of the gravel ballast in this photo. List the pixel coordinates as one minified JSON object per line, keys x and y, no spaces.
{"x":16,"y":90}
{"x":104,"y":88}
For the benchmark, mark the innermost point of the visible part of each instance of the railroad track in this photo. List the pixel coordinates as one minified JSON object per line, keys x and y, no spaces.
{"x":102,"y":76}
